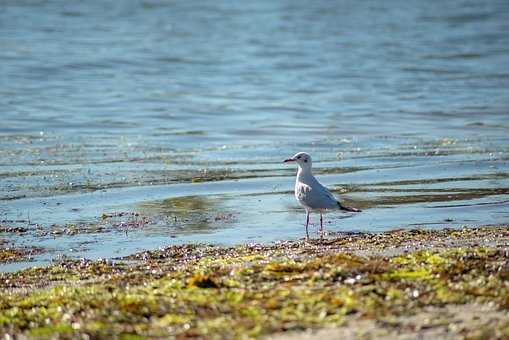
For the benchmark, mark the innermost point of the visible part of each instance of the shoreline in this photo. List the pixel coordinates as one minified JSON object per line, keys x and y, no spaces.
{"x":391,"y":284}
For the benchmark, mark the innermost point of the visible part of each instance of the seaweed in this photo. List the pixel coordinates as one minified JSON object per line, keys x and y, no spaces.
{"x":255,"y":290}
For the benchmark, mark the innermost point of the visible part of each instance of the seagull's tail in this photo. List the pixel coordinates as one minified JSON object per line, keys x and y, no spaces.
{"x":342,"y":207}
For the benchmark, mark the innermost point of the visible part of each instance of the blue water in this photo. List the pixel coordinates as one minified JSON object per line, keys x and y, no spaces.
{"x":183,"y":111}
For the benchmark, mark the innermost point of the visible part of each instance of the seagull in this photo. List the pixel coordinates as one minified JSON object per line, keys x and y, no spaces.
{"x":310,"y":193}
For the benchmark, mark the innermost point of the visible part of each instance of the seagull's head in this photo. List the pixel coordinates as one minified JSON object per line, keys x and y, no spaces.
{"x":302,"y":158}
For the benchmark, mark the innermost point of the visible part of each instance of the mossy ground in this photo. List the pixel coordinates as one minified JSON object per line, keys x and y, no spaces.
{"x":257,"y":290}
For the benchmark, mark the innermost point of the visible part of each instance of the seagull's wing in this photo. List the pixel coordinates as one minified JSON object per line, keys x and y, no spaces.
{"x":334,"y":202}
{"x":337,"y":204}
{"x":326,"y":195}
{"x":316,"y":196}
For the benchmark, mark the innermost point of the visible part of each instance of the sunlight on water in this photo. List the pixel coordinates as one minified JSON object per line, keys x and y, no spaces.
{"x":182,"y":113}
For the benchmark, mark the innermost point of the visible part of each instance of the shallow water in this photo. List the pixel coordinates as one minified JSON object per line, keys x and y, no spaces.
{"x":182,"y":113}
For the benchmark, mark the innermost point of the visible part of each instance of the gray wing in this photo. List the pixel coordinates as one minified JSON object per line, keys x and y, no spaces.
{"x":316,"y":196}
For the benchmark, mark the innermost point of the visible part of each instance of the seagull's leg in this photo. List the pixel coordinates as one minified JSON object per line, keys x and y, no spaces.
{"x":307,"y":223}
{"x":321,"y":225}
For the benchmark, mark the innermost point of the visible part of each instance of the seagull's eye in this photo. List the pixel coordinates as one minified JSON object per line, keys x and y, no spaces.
{"x":305,"y":161}
{"x":298,"y":157}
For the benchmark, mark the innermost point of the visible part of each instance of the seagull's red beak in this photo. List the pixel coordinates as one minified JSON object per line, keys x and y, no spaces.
{"x":289,"y":160}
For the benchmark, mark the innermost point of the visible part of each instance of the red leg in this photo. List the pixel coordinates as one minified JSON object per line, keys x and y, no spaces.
{"x":321,"y":225}
{"x":307,"y":223}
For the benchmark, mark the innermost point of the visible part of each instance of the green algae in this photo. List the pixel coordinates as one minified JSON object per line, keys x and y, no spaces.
{"x":16,"y":254}
{"x":9,"y":254}
{"x":252,"y":290}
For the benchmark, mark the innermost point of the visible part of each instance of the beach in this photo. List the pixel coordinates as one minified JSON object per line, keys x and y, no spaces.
{"x":400,"y":284}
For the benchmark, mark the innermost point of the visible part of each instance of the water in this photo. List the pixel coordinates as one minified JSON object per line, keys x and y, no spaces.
{"x":182,"y":112}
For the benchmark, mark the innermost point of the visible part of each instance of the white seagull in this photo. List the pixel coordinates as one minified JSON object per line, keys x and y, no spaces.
{"x":310,"y":193}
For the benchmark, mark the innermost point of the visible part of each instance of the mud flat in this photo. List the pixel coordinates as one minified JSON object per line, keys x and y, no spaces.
{"x":452,"y":283}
